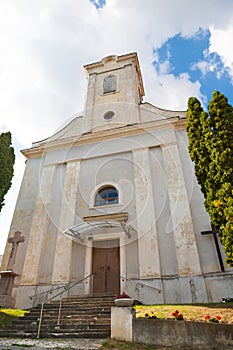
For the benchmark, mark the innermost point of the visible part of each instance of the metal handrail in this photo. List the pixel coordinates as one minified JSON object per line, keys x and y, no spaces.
{"x":46,"y":291}
{"x":67,"y":287}
{"x":140,"y":283}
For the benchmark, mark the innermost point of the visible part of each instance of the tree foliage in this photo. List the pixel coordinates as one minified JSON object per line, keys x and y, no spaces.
{"x":7,"y":160}
{"x":211,"y":148}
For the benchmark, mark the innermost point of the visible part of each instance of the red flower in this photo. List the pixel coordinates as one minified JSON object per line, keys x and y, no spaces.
{"x":207,"y":317}
{"x":146,"y":315}
{"x":176,"y":313}
{"x":218,"y":318}
{"x":122,"y":295}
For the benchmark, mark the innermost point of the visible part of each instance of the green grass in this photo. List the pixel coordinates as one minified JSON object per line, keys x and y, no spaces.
{"x":8,"y":315}
{"x":191,"y":312}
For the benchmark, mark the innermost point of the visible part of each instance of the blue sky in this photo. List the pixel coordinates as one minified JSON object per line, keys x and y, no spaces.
{"x":98,"y":4}
{"x":184,"y":50}
{"x":184,"y":54}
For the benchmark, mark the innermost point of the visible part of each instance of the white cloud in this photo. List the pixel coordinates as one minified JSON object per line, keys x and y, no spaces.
{"x":45,"y":43}
{"x":212,"y":63}
{"x":222,"y":42}
{"x":173,"y":92}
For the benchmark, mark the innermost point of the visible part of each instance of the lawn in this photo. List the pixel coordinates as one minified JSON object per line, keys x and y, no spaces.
{"x":190,"y":312}
{"x":8,"y":315}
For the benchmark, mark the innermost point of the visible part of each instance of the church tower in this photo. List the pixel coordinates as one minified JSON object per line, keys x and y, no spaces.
{"x":114,"y":92}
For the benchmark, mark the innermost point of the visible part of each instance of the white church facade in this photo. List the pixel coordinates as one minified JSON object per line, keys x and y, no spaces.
{"x":111,"y":200}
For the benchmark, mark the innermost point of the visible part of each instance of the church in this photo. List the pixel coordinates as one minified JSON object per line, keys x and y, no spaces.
{"x":111,"y":201}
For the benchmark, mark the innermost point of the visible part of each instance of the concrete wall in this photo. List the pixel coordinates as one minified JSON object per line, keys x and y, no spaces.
{"x":171,"y":333}
{"x":121,"y":323}
{"x":192,"y":335}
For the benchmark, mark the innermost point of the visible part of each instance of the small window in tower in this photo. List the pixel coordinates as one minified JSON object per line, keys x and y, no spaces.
{"x":110,"y":83}
{"x":109,"y":115}
{"x":106,"y":195}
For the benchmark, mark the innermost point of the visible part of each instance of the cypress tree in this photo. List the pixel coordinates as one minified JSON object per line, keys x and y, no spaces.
{"x":7,"y":160}
{"x":197,"y":127}
{"x":211,"y":148}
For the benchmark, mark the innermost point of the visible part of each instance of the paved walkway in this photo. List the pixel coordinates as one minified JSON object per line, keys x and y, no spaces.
{"x":42,"y":344}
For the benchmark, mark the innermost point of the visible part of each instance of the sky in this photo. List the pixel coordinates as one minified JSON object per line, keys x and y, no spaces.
{"x":185,"y":48}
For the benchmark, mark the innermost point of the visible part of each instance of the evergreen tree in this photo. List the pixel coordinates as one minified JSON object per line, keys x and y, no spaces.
{"x":7,"y":160}
{"x":197,"y":127}
{"x":211,"y":148}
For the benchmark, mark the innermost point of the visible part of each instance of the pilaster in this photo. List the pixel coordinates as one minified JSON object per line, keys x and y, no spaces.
{"x":149,"y":262}
{"x":131,"y":109}
{"x":182,"y":225}
{"x":63,"y":250}
{"x":39,"y":225}
{"x":90,"y":96}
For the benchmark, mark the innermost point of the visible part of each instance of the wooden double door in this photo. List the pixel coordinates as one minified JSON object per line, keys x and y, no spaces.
{"x":106,"y":267}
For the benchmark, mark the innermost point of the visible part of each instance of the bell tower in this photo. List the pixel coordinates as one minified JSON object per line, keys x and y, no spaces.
{"x":114,"y":93}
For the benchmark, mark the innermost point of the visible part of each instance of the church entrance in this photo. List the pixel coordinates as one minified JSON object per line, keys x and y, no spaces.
{"x":106,"y":267}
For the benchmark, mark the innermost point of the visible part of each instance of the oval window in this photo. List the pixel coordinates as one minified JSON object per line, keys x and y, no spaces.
{"x":109,"y":115}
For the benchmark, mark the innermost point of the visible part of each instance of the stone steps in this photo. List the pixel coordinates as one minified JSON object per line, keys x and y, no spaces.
{"x":81,"y":317}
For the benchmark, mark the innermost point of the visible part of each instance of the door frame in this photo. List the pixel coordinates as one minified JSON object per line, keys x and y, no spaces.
{"x":88,"y":258}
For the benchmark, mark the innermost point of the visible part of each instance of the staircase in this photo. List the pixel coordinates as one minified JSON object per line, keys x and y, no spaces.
{"x":81,"y":317}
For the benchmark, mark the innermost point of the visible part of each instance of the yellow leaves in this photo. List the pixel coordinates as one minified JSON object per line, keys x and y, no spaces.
{"x":217,"y":203}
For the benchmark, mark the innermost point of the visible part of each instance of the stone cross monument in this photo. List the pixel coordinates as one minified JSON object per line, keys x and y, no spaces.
{"x":15,"y":240}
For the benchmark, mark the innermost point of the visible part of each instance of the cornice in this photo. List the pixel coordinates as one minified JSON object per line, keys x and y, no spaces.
{"x":129,"y":130}
{"x":114,"y":216}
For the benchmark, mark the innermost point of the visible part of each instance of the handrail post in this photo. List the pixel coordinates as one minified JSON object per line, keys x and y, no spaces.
{"x":59,"y":313}
{"x":91,"y":285}
{"x":40,"y":320}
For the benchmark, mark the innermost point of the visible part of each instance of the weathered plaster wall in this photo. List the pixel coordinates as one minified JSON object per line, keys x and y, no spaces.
{"x":167,"y":251}
{"x":191,"y":335}
{"x":22,"y":218}
{"x":50,"y":235}
{"x":206,"y":245}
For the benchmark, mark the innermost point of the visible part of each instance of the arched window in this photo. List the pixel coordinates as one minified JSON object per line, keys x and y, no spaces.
{"x":106,"y":195}
{"x":110,"y":84}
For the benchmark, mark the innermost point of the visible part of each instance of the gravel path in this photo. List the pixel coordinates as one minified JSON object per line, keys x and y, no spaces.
{"x":42,"y":344}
